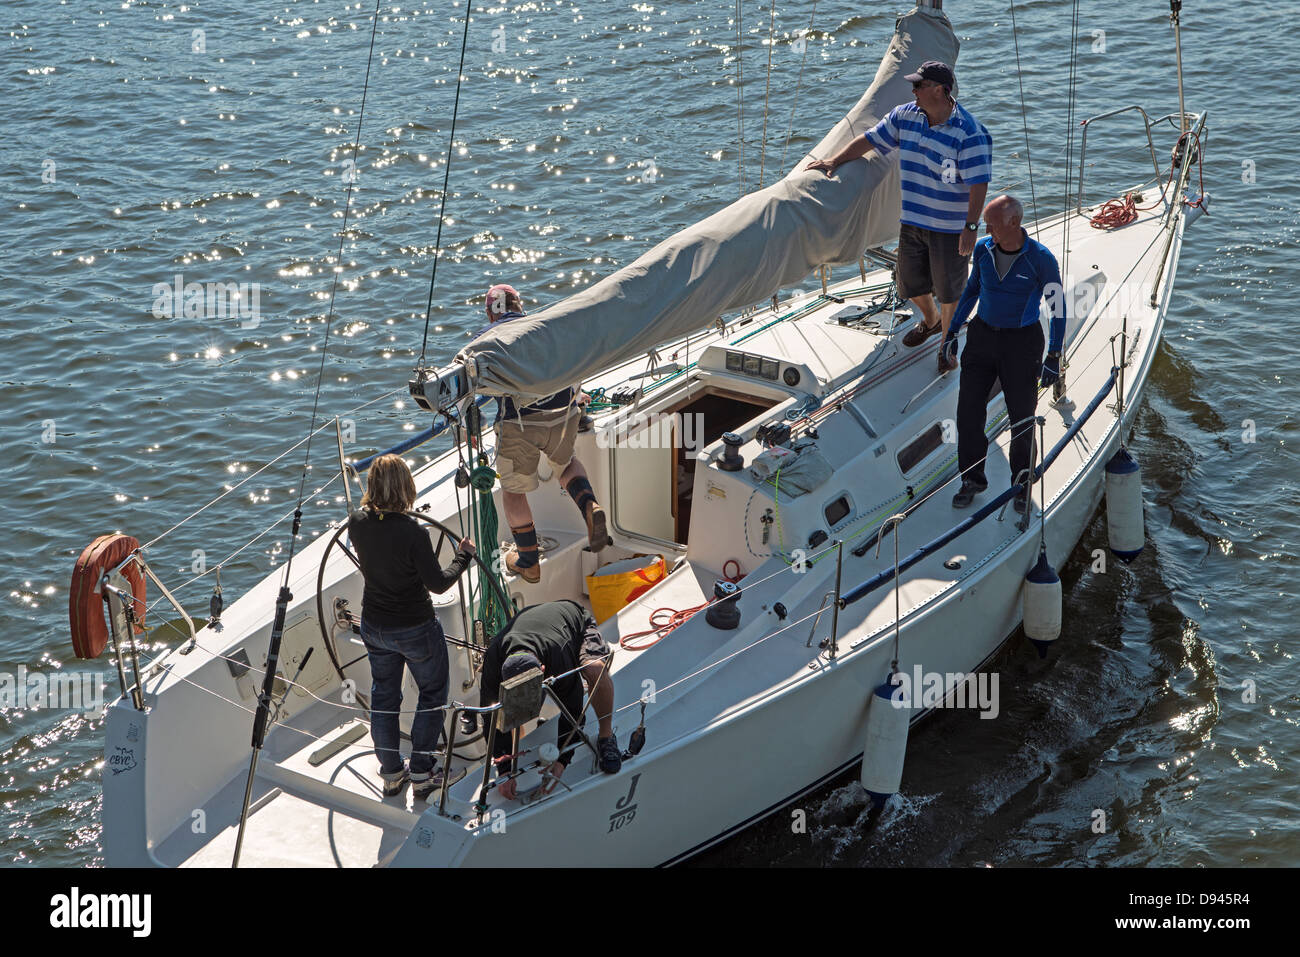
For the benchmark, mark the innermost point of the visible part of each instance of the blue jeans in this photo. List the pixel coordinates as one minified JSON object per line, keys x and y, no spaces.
{"x":422,"y":649}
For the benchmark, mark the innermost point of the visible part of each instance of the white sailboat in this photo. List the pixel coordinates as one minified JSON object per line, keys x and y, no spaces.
{"x":738,"y":721}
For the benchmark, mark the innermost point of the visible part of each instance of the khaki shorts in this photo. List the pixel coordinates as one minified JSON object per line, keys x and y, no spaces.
{"x":521,"y":442}
{"x":928,"y":261}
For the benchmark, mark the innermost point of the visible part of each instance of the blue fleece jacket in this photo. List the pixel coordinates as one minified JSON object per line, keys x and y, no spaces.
{"x":1014,"y":301}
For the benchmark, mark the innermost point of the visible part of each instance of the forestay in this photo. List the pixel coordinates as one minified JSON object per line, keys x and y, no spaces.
{"x":737,"y":257}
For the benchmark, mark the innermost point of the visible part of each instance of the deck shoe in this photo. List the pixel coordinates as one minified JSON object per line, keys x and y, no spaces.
{"x":920,"y":332}
{"x":611,"y":758}
{"x":529,"y":573}
{"x":396,"y":782}
{"x":597,"y":533}
{"x":437,"y":780}
{"x":966,"y":494}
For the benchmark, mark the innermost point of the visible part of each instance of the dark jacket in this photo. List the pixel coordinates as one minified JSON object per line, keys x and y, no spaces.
{"x":399,"y":567}
{"x":553,"y":633}
{"x":1014,"y":301}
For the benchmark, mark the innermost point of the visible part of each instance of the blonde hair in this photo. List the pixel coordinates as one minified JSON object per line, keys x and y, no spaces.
{"x":390,"y":487}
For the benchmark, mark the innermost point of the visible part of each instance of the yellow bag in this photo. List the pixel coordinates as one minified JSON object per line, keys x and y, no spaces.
{"x":618,"y":583}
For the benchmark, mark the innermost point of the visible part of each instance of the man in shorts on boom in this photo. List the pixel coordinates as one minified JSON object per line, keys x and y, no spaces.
{"x":548,"y":426}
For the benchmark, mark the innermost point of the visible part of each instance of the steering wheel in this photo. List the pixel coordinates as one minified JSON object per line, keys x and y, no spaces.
{"x":485,"y":575}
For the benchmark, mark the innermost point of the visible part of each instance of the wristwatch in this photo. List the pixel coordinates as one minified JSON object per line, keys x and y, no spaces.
{"x":973,"y":227}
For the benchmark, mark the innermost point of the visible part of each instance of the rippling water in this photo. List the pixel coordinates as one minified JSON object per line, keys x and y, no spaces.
{"x":147,"y":140}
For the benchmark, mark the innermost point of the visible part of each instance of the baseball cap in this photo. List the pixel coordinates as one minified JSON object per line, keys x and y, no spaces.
{"x":935,"y":70}
{"x":517,"y":663}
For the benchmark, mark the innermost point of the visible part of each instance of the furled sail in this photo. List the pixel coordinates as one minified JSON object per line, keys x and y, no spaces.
{"x":739,"y":256}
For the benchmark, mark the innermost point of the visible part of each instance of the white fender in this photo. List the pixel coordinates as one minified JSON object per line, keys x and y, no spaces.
{"x":1124,"y":506}
{"x":885,"y":745}
{"x":1042,"y":605}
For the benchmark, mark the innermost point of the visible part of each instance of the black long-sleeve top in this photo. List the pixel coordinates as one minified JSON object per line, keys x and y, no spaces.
{"x":399,"y":567}
{"x":553,"y":633}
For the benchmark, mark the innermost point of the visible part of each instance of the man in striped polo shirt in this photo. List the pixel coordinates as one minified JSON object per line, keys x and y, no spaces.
{"x":945,"y":159}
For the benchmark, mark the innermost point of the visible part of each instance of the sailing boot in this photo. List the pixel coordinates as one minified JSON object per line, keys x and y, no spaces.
{"x":579,"y":490}
{"x":524,"y":560}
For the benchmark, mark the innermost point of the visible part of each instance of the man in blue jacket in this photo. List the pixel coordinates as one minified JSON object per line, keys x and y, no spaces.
{"x":1010,"y":275}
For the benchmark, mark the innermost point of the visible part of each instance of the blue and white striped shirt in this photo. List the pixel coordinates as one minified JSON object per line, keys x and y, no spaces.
{"x":939,"y":164}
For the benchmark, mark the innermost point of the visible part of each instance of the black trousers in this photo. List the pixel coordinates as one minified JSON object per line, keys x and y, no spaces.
{"x":1014,"y":357}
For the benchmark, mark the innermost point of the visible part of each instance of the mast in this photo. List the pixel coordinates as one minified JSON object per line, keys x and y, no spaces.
{"x":1175,"y":7}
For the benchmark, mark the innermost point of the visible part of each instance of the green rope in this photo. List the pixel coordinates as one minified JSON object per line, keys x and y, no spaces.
{"x":486,"y":531}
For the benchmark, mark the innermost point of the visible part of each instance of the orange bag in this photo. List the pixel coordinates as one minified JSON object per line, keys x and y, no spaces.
{"x":618,"y":583}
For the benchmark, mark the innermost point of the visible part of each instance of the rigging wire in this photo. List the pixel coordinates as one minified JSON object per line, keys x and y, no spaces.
{"x":446,"y":176}
{"x":248,"y":478}
{"x":263,"y":715}
{"x":329,"y":314}
{"x":740,"y":99}
{"x":1069,"y":142}
{"x":767,"y":89}
{"x":1024,"y":120}
{"x":798,"y":85}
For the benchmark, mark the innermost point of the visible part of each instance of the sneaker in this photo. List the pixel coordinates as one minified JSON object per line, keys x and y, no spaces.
{"x":396,"y":782}
{"x":435,"y":782}
{"x":529,"y":573}
{"x":611,"y":758}
{"x":920,"y":332}
{"x":597,"y":534}
{"x":966,"y":494}
{"x":1021,"y":502}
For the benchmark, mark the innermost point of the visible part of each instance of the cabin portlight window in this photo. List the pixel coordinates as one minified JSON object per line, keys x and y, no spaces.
{"x":837,"y":511}
{"x":920,"y":448}
{"x":757,"y":366}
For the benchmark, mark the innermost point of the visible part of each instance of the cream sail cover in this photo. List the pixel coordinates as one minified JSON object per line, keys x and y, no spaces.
{"x":739,"y":256}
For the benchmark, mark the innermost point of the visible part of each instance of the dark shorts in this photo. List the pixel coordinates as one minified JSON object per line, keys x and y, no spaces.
{"x":591,"y":646}
{"x":928,"y":261}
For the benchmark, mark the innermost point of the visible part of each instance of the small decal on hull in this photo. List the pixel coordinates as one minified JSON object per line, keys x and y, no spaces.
{"x":122,"y":759}
{"x":624,"y":809}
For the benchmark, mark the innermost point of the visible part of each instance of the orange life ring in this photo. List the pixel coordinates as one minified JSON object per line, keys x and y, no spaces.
{"x":86,"y":611}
